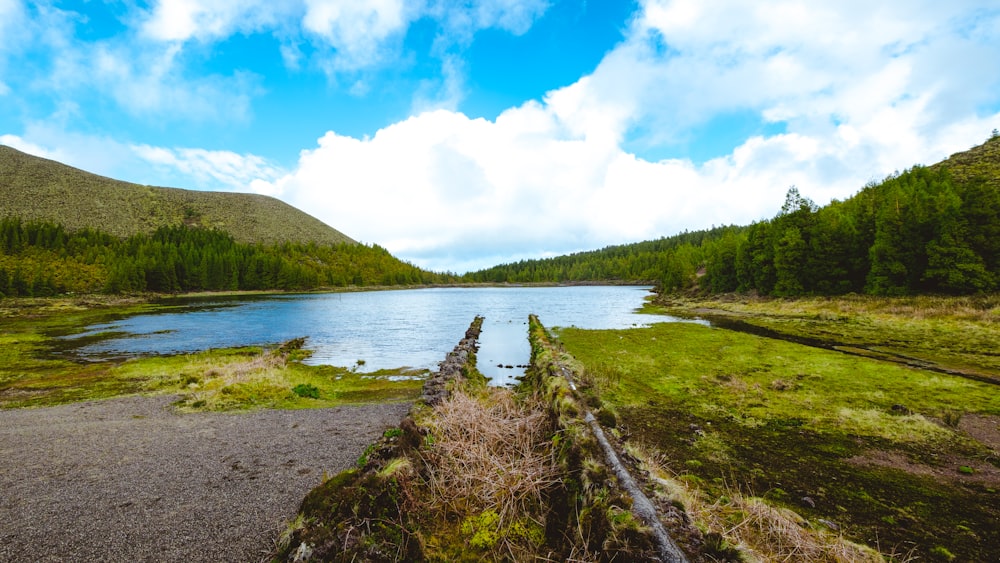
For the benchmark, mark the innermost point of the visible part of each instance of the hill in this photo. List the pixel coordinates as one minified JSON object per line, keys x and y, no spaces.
{"x":38,"y":189}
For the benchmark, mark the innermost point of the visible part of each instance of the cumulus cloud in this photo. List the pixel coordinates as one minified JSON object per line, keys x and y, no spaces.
{"x":551,"y":177}
{"x":358,"y":32}
{"x":810,"y":66}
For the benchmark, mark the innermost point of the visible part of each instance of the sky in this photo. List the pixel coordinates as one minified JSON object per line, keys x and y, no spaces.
{"x":460,"y":134}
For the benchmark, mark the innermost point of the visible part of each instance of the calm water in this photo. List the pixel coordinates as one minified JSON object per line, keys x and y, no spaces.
{"x":385,"y":329}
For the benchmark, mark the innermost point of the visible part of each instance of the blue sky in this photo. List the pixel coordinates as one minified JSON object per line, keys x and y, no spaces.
{"x":461,"y":134}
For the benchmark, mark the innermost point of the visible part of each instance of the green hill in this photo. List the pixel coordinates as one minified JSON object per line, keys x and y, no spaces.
{"x":38,"y":189}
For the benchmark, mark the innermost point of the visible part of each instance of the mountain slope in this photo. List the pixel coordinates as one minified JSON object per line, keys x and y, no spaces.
{"x":34,"y":188}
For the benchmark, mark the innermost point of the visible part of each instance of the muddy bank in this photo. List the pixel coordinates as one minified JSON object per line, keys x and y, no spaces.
{"x":130,"y":480}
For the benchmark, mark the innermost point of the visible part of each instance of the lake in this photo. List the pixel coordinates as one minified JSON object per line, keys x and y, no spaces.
{"x":383,"y":329}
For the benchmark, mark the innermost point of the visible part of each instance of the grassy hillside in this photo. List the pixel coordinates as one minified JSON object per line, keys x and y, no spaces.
{"x":34,"y":188}
{"x":979,"y":162}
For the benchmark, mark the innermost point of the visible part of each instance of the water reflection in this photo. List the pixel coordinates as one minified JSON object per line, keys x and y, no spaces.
{"x":385,"y":329}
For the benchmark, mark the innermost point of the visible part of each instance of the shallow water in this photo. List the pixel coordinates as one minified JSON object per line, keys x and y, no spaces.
{"x":382,"y":329}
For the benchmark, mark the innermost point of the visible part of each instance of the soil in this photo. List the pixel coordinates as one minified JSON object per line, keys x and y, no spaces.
{"x":131,"y":479}
{"x":985,"y":428}
{"x":977,"y":471}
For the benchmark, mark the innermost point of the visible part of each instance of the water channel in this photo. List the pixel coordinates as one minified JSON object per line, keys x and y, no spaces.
{"x":382,"y":329}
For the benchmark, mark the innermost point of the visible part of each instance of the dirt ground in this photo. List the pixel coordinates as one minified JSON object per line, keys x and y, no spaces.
{"x":983,"y":428}
{"x":131,"y":480}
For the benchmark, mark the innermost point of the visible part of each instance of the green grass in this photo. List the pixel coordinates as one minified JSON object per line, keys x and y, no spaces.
{"x":785,"y":421}
{"x":961,"y":334}
{"x":35,"y":188}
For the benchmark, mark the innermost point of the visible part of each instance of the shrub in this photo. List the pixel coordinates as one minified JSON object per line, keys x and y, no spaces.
{"x":306,"y":390}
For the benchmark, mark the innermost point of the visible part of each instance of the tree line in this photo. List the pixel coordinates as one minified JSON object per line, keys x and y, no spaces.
{"x":915,"y":232}
{"x":646,"y":262}
{"x":920,"y":231}
{"x":42,"y":259}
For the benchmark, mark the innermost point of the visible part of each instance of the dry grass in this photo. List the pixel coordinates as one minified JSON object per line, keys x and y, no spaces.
{"x":257,"y":380}
{"x":490,"y":466}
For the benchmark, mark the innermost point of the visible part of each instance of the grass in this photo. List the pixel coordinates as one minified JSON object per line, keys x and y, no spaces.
{"x":729,"y":410}
{"x":490,"y":468}
{"x":224,"y":379}
{"x":920,"y":329}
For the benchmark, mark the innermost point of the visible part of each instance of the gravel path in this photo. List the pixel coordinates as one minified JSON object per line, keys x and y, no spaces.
{"x":131,"y":480}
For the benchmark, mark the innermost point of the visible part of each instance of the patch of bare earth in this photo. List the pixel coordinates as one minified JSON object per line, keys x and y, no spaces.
{"x":984,"y":428}
{"x":131,"y":479}
{"x":953,"y":468}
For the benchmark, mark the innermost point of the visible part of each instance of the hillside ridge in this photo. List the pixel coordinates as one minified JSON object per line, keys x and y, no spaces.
{"x":35,"y":188}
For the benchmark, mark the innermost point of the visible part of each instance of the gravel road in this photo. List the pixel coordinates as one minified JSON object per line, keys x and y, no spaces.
{"x":131,"y":480}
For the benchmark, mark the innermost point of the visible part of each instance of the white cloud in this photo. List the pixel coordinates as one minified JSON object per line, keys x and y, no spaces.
{"x":153,"y":83}
{"x":12,"y":18}
{"x":182,"y":20}
{"x":446,"y":93}
{"x":812,"y":66}
{"x":23,"y":145}
{"x":357,"y":31}
{"x":97,"y":154}
{"x":861,"y":97}
{"x":861,"y":90}
{"x":461,"y":19}
{"x":149,"y":165}
{"x":230,"y":170}
{"x":351,"y":36}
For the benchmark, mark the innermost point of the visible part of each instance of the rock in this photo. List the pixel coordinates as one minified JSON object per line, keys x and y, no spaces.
{"x":808,"y":501}
{"x":832,"y":525}
{"x":303,"y":553}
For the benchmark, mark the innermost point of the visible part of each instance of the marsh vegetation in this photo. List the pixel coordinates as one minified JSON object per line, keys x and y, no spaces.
{"x":903,"y":459}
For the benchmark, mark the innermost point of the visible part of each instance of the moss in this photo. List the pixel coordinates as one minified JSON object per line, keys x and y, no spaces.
{"x":482,"y":530}
{"x":361,"y":520}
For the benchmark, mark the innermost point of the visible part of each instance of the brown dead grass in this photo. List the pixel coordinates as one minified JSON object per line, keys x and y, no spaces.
{"x":491,"y":453}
